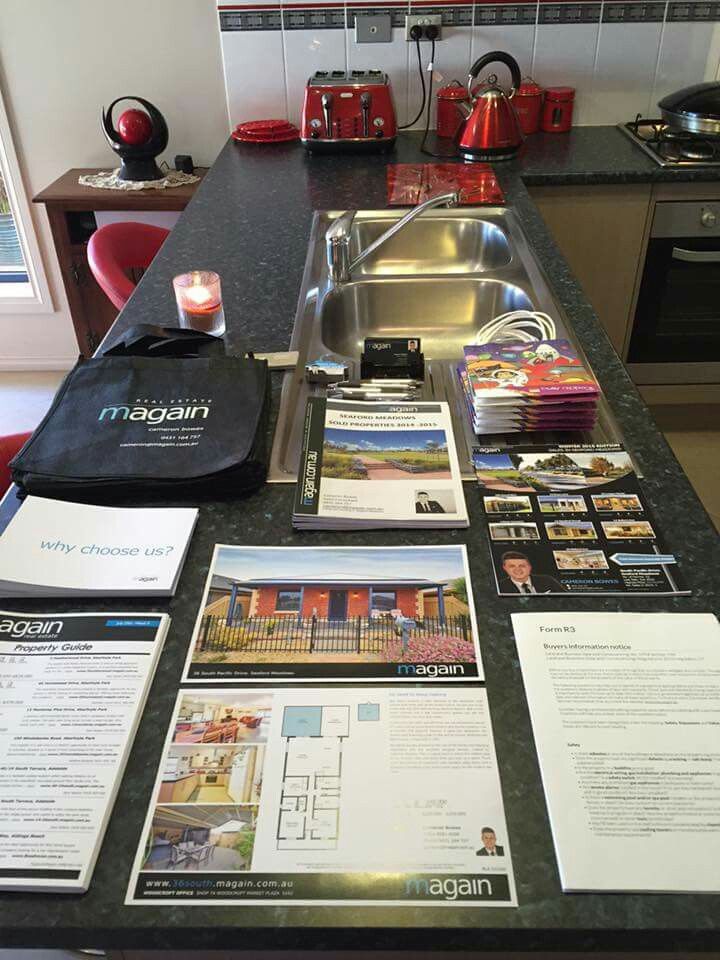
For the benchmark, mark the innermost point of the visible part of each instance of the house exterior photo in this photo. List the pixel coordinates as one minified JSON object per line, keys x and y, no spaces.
{"x":341,"y":599}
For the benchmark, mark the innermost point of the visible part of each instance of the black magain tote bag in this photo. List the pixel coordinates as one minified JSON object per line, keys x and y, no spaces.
{"x":138,"y":428}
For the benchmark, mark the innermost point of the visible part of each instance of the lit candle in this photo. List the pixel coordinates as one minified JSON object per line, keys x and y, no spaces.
{"x":199,"y":301}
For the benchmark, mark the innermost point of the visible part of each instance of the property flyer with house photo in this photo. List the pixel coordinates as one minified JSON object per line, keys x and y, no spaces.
{"x":281,"y":804}
{"x":378,"y":465}
{"x":336,"y":613}
{"x":571,"y":519}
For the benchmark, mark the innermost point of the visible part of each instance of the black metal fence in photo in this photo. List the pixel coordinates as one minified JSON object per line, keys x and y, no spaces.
{"x":314,"y":635}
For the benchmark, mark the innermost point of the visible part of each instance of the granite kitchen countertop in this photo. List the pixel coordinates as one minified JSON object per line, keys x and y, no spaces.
{"x":250,"y":221}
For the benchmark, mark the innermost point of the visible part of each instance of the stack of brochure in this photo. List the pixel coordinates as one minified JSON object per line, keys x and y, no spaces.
{"x":378,"y":465}
{"x":514,"y":387}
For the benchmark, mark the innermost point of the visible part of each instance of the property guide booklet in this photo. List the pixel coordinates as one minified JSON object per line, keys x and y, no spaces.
{"x":53,"y":548}
{"x":624,"y":710}
{"x":378,"y":465}
{"x":571,"y":519}
{"x":72,"y":691}
{"x":364,"y":795}
{"x":336,"y":614}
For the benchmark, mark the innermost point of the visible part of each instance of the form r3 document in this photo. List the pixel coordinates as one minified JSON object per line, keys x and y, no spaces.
{"x":625,"y":710}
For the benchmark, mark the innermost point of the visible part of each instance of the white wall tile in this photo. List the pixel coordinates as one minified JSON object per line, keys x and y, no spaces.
{"x":518,"y":41}
{"x":688,"y":54}
{"x":624,"y":71}
{"x":254,"y":75}
{"x":390,"y":57}
{"x":305,"y":52}
{"x":452,"y":62}
{"x":565,"y":56}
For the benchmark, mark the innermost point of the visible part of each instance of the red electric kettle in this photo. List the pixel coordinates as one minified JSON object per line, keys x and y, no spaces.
{"x":492,"y":129}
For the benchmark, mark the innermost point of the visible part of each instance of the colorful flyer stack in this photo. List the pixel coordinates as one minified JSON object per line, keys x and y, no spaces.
{"x":516,"y":387}
{"x":571,"y":519}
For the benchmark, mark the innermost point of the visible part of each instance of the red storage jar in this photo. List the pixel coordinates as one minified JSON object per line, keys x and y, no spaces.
{"x":449,"y":112}
{"x":557,"y":110}
{"x":528,"y":102}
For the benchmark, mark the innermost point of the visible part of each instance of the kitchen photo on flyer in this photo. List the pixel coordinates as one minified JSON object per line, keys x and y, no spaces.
{"x":336,"y":614}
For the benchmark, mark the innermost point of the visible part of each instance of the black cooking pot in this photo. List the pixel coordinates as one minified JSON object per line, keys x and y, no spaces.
{"x":694,"y":109}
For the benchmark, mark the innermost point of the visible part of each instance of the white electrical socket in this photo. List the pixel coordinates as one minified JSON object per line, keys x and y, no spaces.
{"x":423,"y":20}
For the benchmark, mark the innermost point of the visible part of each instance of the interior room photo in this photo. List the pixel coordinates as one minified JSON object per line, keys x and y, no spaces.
{"x":359,"y":358}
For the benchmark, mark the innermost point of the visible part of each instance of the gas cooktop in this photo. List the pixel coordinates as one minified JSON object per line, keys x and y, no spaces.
{"x":672,"y":148}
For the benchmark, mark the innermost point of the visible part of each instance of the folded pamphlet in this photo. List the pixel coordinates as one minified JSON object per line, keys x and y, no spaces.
{"x":571,"y":519}
{"x":53,"y":548}
{"x":378,"y":465}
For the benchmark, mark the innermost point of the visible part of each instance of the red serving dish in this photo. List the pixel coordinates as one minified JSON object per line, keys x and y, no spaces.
{"x":265,"y":131}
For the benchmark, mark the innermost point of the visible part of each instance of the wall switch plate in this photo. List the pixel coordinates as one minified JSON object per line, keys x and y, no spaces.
{"x":373,"y":28}
{"x":423,"y":20}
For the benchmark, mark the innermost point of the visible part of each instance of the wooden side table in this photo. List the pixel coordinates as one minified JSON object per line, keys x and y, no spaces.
{"x":70,"y":209}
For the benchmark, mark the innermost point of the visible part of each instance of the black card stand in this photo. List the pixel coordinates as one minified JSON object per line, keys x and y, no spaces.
{"x":412,"y":369}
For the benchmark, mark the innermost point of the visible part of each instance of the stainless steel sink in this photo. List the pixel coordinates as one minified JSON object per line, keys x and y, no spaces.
{"x":444,"y":315}
{"x":440,"y":279}
{"x":439,"y":244}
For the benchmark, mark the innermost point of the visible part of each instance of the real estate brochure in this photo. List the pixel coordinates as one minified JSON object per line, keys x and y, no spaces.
{"x":624,"y":709}
{"x":53,"y":548}
{"x":72,"y":691}
{"x":336,"y":613}
{"x":571,"y":519}
{"x":373,"y":464}
{"x":361,"y":796}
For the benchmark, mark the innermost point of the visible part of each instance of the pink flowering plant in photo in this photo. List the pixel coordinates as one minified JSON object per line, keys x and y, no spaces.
{"x":433,"y":649}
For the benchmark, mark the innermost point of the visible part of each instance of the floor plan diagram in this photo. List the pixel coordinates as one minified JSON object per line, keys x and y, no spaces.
{"x":309,"y":815}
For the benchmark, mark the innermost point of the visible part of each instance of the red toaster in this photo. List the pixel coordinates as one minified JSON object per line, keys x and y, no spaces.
{"x":348,"y":110}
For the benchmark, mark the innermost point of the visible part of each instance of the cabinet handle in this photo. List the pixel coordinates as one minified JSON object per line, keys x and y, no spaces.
{"x":696,"y":256}
{"x":75,"y":274}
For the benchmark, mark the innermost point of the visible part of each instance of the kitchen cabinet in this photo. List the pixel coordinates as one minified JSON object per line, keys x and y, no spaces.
{"x":600,"y":230}
{"x":71,"y":213}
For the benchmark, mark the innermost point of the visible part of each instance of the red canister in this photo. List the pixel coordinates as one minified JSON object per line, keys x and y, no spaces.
{"x":557,"y":110}
{"x":449,"y":110}
{"x":528,"y":101}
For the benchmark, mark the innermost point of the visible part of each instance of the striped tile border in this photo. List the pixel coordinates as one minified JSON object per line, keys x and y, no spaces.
{"x":331,"y":15}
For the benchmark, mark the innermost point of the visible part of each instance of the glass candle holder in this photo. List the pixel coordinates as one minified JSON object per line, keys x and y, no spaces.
{"x":199,"y":301}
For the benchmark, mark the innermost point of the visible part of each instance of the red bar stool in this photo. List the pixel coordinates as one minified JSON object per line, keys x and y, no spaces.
{"x":9,"y":446}
{"x":116,"y":249}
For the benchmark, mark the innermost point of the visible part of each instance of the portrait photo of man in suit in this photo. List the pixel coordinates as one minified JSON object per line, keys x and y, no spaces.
{"x":490,"y":847}
{"x":521,"y":579}
{"x":423,"y":503}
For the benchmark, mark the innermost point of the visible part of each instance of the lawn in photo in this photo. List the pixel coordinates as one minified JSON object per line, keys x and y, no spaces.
{"x":617,"y":503}
{"x":561,"y":503}
{"x":628,"y":530}
{"x":516,"y":530}
{"x":385,"y":455}
{"x":545,"y":472}
{"x":570,"y":530}
{"x":210,"y":838}
{"x":578,"y":559}
{"x":507,"y":504}
{"x":344,"y":605}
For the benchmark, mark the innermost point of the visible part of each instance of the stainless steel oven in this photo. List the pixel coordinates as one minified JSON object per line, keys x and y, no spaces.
{"x":675,"y":336}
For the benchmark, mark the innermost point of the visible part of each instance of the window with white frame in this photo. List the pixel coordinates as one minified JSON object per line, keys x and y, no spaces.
{"x":23,"y":286}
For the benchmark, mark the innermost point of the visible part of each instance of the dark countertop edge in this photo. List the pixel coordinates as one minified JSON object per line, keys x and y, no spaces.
{"x":435,"y":938}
